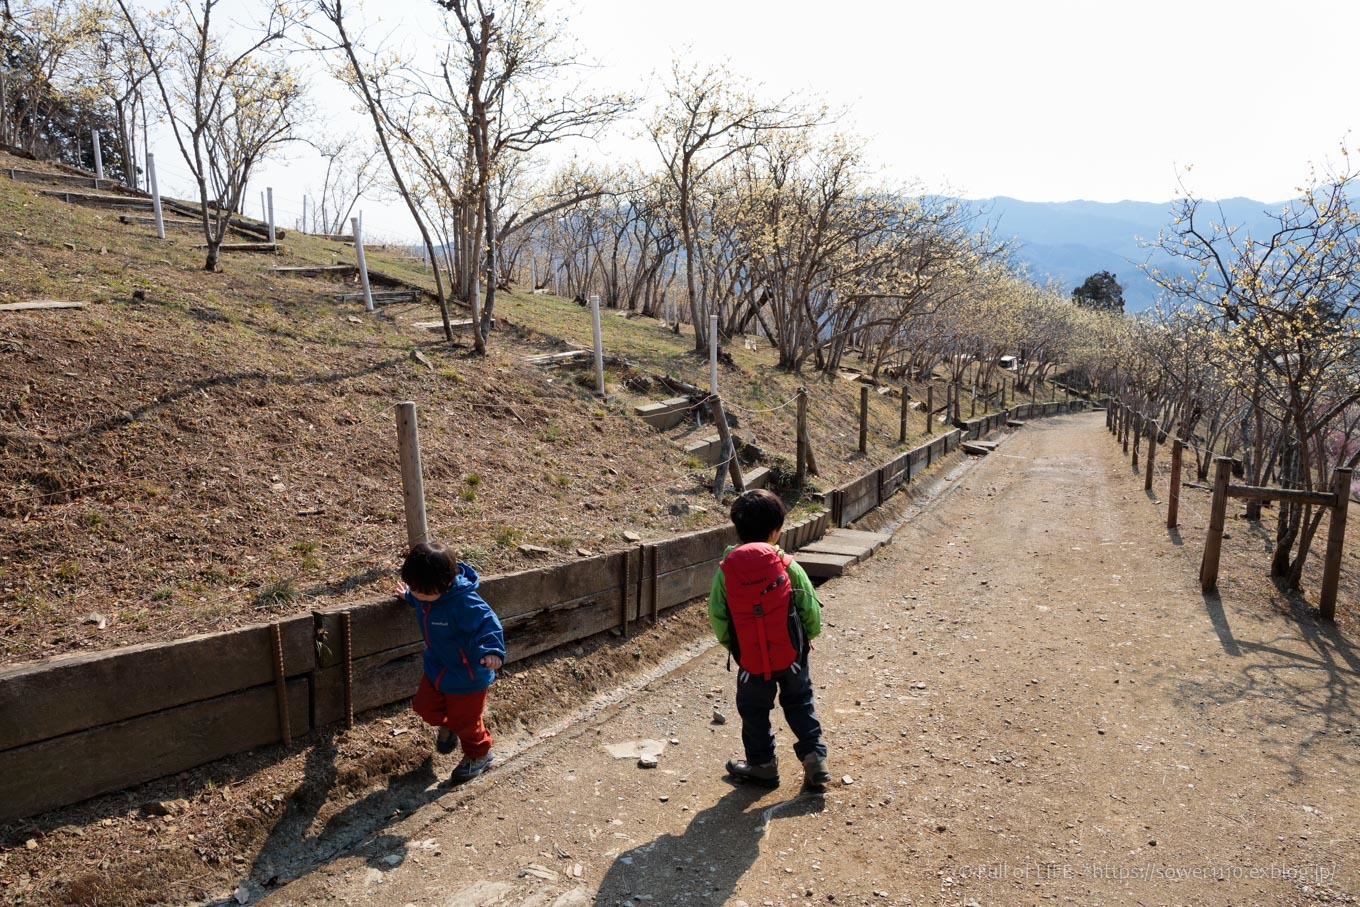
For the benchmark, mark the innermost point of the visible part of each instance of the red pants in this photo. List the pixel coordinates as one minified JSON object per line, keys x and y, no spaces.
{"x":459,"y":712}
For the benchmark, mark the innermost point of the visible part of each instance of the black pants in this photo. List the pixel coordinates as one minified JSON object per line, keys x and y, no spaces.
{"x":755,"y":701}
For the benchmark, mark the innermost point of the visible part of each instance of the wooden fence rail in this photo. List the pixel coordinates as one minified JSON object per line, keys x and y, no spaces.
{"x":1118,"y":420}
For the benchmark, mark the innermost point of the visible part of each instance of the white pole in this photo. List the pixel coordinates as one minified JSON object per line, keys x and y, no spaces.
{"x":98,"y":158}
{"x":269,"y":193}
{"x":599,"y":345}
{"x":363,"y":266}
{"x":533,"y":275}
{"x":264,"y":209}
{"x":713,"y":355}
{"x":304,"y":214}
{"x":155,"y":194}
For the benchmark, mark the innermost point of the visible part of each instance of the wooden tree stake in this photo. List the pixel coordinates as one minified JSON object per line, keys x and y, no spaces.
{"x":1213,"y":543}
{"x":1151,"y":453}
{"x":1173,"y":499}
{"x":729,"y":448}
{"x":902,"y":430}
{"x":412,"y":481}
{"x":864,"y":418}
{"x":1336,"y":539}
{"x":801,"y":438}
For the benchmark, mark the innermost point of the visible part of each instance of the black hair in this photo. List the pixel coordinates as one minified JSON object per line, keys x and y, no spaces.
{"x":756,"y":514}
{"x":429,"y":568}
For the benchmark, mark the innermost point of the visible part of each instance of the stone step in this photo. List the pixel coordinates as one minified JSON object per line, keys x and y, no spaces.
{"x":756,"y":477}
{"x":664,"y":415}
{"x":708,"y":450}
{"x":874,"y":540}
{"x":823,"y":566}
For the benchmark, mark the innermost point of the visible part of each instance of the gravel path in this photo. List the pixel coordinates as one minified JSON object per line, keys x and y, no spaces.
{"x":1026,"y":700}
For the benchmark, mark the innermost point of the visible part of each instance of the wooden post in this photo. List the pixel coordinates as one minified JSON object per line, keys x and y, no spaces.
{"x":155,"y":195}
{"x":269,"y":194}
{"x":801,"y":438}
{"x":1173,"y":500}
{"x":1109,"y":418}
{"x":1003,"y":392}
{"x":599,"y":344}
{"x":1128,"y":415}
{"x":1213,"y":543}
{"x":729,"y":448}
{"x":930,"y":409}
{"x":1336,"y":539}
{"x":358,"y":229}
{"x":1137,"y":437}
{"x":902,"y":429}
{"x":864,"y":418}
{"x":412,"y":481}
{"x":1151,"y":453}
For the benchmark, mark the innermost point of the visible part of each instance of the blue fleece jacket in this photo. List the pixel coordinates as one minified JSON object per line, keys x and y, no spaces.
{"x":459,"y":628}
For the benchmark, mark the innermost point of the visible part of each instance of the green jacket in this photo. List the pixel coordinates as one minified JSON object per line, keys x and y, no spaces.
{"x":800,"y":587}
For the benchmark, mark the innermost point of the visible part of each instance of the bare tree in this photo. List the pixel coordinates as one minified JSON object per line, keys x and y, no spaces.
{"x":227,"y":109}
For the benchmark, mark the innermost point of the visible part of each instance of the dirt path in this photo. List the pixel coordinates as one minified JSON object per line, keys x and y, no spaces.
{"x":1027,"y":700}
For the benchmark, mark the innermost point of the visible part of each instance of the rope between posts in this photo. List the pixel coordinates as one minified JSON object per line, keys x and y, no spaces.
{"x":774,"y":409}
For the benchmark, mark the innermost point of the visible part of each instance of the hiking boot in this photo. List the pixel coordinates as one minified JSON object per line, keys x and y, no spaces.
{"x":766,"y":775}
{"x":815,"y":773}
{"x":445,"y":741}
{"x":471,"y":768}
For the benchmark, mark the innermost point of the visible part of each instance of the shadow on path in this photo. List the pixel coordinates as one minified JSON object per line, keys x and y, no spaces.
{"x":703,"y":865}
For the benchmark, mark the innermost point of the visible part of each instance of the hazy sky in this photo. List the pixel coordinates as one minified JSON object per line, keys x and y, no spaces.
{"x":1036,"y":99}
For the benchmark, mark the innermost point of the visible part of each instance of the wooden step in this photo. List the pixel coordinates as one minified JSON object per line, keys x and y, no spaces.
{"x":315,"y":271}
{"x":96,"y":200}
{"x":664,"y":415}
{"x":552,"y":360}
{"x":978,"y":448}
{"x":137,"y":220}
{"x":62,"y":179}
{"x":36,"y":304}
{"x":458,"y":324}
{"x":823,"y":566}
{"x":381,"y":296}
{"x":270,"y":247}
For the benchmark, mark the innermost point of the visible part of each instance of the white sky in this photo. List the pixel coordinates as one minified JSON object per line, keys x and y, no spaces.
{"x":1041,"y":100}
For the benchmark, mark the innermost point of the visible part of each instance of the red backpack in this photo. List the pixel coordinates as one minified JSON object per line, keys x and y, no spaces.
{"x":766,"y":632}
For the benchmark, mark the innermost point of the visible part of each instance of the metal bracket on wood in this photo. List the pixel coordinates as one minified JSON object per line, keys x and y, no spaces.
{"x":347,"y":639}
{"x":281,"y":684}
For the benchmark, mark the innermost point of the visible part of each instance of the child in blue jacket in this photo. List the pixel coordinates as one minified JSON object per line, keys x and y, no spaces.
{"x":464,"y":647}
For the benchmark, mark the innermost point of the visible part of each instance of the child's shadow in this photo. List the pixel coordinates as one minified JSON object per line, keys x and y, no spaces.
{"x":708,"y":860}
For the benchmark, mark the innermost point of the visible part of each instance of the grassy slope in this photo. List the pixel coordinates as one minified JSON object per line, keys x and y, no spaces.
{"x":223,"y":451}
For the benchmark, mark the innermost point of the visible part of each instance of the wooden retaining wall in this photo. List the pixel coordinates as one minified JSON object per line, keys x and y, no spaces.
{"x":75,"y":726}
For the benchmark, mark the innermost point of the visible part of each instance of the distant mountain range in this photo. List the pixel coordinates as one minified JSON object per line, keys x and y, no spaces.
{"x":1068,"y":241}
